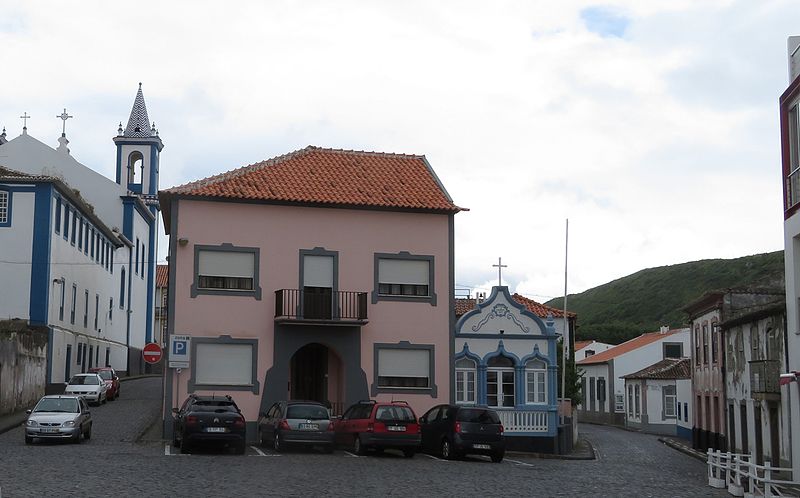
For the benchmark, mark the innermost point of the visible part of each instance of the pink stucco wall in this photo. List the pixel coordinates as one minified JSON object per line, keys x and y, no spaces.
{"x":280,"y":232}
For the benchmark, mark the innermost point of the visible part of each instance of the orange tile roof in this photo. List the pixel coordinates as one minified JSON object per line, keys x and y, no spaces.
{"x":162,"y":275}
{"x":464,"y":305}
{"x":331,"y":177}
{"x":635,"y":343}
{"x":581,"y":344}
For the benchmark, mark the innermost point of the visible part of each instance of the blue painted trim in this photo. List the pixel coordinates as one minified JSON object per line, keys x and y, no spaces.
{"x":119,"y":164}
{"x":49,"y":379}
{"x":500,"y":351}
{"x":466,"y":353}
{"x":150,"y":282}
{"x":467,"y":335}
{"x":547,"y":329}
{"x":480,"y":386}
{"x":127,"y":219}
{"x":536,"y":355}
{"x":135,"y":187}
{"x":139,"y":205}
{"x":152,"y":188}
{"x":39,"y":303}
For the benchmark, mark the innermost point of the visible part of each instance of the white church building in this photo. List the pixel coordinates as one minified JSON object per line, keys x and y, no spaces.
{"x":78,"y":250}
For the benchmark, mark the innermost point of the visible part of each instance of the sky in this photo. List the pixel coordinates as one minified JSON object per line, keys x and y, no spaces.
{"x":651,"y":126}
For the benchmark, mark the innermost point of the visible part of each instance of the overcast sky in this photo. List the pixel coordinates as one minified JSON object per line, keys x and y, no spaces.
{"x":651,"y":125}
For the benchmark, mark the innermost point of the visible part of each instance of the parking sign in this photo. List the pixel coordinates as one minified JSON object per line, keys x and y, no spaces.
{"x":179,"y":350}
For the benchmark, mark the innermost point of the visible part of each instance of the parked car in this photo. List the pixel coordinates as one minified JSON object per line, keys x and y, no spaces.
{"x":371,"y":425}
{"x":296,"y":423}
{"x":208,"y":419}
{"x":89,"y":385}
{"x":59,"y":417}
{"x":109,"y":376}
{"x":453,"y":431}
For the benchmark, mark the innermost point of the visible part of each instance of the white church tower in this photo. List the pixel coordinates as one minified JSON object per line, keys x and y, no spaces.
{"x":138,"y":149}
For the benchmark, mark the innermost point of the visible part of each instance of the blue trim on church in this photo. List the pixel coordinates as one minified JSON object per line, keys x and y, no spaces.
{"x":40,"y":253}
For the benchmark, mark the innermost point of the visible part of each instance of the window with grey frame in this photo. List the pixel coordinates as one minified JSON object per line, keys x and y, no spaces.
{"x":5,"y":207}
{"x":406,"y":368}
{"x":225,"y":269}
{"x":398,"y":277}
{"x":670,"y":401}
{"x":673,"y":350}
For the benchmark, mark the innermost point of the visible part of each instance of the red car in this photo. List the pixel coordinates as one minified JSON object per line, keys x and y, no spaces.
{"x":373,"y":425}
{"x":109,"y":375}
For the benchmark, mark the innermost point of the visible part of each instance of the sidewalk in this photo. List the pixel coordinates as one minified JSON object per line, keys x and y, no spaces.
{"x":12,"y":420}
{"x":583,"y":450}
{"x":684,"y":447}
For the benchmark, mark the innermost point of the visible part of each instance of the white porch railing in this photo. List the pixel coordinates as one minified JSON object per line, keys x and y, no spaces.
{"x":743,"y":477}
{"x":523,"y":420}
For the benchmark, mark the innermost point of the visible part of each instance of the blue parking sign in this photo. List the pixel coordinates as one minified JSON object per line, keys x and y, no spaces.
{"x":179,"y":351}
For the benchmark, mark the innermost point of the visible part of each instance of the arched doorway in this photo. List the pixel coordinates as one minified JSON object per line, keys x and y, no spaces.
{"x":316,"y":374}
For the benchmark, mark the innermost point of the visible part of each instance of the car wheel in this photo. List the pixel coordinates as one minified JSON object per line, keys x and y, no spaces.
{"x":328,"y":449}
{"x":105,"y":398}
{"x":28,"y":440}
{"x":88,"y":433}
{"x":241,"y":448}
{"x":409,"y":453}
{"x":185,"y":446}
{"x":358,"y":448}
{"x":497,"y":457}
{"x":446,"y":450}
{"x":277,"y":444}
{"x":76,"y":439}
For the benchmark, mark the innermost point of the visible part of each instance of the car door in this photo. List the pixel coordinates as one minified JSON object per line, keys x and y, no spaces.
{"x":426,"y":427}
{"x":178,"y":425}
{"x":85,"y":417}
{"x":340,"y":428}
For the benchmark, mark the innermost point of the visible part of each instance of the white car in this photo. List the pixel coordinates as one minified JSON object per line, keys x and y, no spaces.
{"x":89,"y":386}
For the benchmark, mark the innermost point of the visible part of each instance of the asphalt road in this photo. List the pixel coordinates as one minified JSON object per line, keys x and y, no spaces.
{"x":113,"y":463}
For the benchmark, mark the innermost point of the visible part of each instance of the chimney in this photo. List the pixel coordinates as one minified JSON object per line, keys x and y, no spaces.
{"x":664,"y":329}
{"x":794,"y":57}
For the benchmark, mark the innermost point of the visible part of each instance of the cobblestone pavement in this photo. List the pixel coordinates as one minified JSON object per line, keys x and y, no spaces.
{"x":114,"y":464}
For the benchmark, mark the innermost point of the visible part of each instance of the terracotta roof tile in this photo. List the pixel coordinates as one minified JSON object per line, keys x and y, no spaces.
{"x":332,"y":177}
{"x":581,"y":344}
{"x":666,"y":369}
{"x":162,"y":275}
{"x":464,"y":305}
{"x":635,"y":343}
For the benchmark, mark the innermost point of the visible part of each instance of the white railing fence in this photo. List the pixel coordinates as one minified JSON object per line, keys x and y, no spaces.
{"x":743,"y":477}
{"x":523,"y":420}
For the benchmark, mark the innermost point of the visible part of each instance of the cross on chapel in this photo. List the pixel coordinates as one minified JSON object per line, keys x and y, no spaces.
{"x":64,"y":117}
{"x":500,"y":267}
{"x":25,"y":120}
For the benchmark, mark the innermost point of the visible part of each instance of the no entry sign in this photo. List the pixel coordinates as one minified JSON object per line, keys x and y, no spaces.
{"x":152,"y":352}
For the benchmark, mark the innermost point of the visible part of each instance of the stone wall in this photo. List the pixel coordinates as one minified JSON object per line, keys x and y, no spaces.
{"x":23,"y":365}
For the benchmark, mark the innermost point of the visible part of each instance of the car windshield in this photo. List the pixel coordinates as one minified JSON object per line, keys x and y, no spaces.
{"x":477,"y":416}
{"x":84,"y":380}
{"x":310,"y":412}
{"x":214,"y":406}
{"x":394,"y":413}
{"x":63,"y":405}
{"x":105,"y":375}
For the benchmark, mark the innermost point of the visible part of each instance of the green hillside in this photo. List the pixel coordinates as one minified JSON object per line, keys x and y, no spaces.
{"x":642,"y":302}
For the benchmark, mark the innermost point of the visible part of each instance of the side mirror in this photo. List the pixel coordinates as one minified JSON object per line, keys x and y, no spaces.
{"x":423,"y":420}
{"x":28,"y":412}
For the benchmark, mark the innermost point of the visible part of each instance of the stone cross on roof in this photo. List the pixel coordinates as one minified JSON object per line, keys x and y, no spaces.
{"x":64,"y":117}
{"x":500,"y":267}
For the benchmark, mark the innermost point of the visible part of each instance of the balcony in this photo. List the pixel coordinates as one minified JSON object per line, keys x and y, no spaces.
{"x":320,"y":306}
{"x":523,"y":420}
{"x":765,"y":377}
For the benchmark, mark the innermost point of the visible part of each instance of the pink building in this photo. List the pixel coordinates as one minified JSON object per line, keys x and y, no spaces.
{"x":321,"y":274}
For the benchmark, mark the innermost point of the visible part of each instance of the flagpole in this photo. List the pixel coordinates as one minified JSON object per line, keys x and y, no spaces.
{"x":565,"y":336}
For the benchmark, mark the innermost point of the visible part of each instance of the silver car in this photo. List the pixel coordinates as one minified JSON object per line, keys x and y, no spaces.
{"x":59,"y":417}
{"x":89,"y":385}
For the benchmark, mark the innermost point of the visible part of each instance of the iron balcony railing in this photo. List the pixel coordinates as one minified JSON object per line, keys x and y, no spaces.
{"x":765,"y":376}
{"x":320,"y":304}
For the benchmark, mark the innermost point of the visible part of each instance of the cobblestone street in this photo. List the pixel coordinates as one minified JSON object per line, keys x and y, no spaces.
{"x":114,"y":464}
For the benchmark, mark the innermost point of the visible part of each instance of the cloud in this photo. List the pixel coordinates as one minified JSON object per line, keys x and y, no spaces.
{"x":652,"y":126}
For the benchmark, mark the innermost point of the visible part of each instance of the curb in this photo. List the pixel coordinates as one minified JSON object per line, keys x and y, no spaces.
{"x":683,"y":449}
{"x":551,"y":456}
{"x":136,"y":377}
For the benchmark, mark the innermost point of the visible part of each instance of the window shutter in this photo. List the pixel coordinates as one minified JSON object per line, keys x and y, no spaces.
{"x":403,"y":363}
{"x":224,"y":364}
{"x":318,"y":271}
{"x":226,"y":264}
{"x":403,"y":271}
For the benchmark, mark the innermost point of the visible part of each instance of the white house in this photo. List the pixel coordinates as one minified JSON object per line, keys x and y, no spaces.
{"x":585,"y":349}
{"x":78,"y":249}
{"x":603,"y":384}
{"x":659,"y":398}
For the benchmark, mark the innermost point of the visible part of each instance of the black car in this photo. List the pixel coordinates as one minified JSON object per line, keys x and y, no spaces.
{"x":453,"y":431}
{"x":208,"y":419}
{"x":296,"y":423}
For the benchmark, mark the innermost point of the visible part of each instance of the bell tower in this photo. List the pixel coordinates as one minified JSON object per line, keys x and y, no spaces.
{"x":138,"y":149}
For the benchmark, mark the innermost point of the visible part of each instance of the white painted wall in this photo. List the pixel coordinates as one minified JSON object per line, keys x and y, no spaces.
{"x":684,"y":390}
{"x":597,"y":371}
{"x":791,"y":393}
{"x":597,"y":347}
{"x":16,"y":243}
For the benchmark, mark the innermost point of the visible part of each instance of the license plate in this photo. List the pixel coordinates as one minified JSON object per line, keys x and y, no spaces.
{"x":216,"y":429}
{"x":481,"y":446}
{"x":397,"y":428}
{"x":48,"y":429}
{"x":309,"y":427}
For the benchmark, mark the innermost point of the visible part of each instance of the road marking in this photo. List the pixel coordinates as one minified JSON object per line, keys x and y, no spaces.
{"x":166,"y":449}
{"x":430,"y":456}
{"x":519,"y":463}
{"x":261,"y":453}
{"x":349,"y":454}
